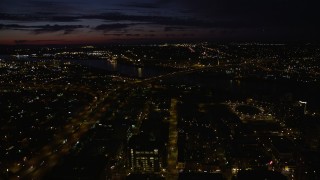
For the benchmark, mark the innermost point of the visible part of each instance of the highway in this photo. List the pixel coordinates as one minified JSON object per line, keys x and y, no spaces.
{"x":172,"y":172}
{"x":36,"y":166}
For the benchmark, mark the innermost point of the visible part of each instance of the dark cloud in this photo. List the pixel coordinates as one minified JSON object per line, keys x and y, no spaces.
{"x":158,"y":4}
{"x":164,"y":1}
{"x":172,"y":22}
{"x":67,"y":29}
{"x":132,"y":35}
{"x":182,"y":23}
{"x":158,"y":20}
{"x":113,"y":27}
{"x":149,"y":35}
{"x":113,"y":16}
{"x":63,"y":19}
{"x":175,"y":28}
{"x":113,"y":34}
{"x":11,"y":26}
{"x":140,"y":5}
{"x":177,"y":18}
{"x":270,"y":13}
{"x":180,"y":35}
{"x":21,"y":41}
{"x":38,"y":17}
{"x":51,"y":6}
{"x":36,"y":41}
{"x":188,"y":35}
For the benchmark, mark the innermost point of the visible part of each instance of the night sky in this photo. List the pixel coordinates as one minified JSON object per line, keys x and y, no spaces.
{"x":137,"y":21}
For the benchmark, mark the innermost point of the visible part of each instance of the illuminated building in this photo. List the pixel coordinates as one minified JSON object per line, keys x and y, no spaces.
{"x":145,"y":154}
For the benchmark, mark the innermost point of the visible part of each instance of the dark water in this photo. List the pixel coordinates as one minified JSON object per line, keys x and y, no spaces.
{"x":224,"y":88}
{"x":124,"y":69}
{"x":114,"y":67}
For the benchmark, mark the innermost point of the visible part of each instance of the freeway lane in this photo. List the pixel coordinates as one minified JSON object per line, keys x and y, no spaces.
{"x":49,"y":155}
{"x":36,"y":166}
{"x":172,"y":144}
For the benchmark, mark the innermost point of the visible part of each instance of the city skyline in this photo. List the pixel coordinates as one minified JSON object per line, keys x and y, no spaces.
{"x":139,"y":21}
{"x":159,"y":89}
{"x":160,"y":111}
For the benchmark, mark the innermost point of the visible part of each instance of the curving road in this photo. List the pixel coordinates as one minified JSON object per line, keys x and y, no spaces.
{"x":36,"y":166}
